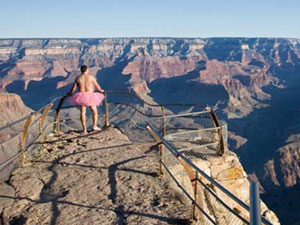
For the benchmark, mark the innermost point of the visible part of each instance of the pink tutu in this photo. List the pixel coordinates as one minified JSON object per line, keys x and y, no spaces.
{"x":86,"y":99}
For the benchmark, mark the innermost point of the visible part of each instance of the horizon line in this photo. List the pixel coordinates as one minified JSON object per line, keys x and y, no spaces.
{"x":150,"y":37}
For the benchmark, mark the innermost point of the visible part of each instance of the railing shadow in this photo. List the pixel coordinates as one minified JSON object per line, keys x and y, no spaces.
{"x":118,"y":211}
{"x":46,"y":197}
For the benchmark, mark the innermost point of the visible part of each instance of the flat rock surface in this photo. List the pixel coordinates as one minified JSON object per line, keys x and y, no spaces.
{"x":101,"y":178}
{"x":6,"y":190}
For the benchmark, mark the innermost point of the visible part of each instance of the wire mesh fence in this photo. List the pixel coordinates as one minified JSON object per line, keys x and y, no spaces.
{"x":199,"y":143}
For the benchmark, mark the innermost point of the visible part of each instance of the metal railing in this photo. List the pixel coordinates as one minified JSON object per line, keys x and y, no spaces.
{"x":130,"y":113}
{"x":23,"y":133}
{"x":205,"y":189}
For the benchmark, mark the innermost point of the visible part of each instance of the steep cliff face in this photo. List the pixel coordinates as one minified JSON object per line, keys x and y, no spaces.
{"x":11,"y":109}
{"x":284,"y":169}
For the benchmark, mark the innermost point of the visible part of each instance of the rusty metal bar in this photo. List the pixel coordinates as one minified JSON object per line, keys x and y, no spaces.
{"x":25,"y":158}
{"x":56,"y":119}
{"x":194,"y":184}
{"x":193,"y":178}
{"x":217,"y":124}
{"x":42,"y":120}
{"x":25,"y":130}
{"x":164,"y":132}
{"x":155,"y":136}
{"x":43,"y":117}
{"x":160,"y":148}
{"x":213,"y":116}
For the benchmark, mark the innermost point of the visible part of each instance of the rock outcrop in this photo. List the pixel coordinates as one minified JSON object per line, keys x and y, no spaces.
{"x":284,"y":169}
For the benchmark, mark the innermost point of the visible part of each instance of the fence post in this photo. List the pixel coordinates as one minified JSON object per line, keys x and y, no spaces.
{"x":160,"y":147}
{"x":194,"y":184}
{"x":25,"y":158}
{"x":216,"y":123}
{"x":255,"y":217}
{"x":42,"y":120}
{"x":164,"y":132}
{"x":56,"y":119}
{"x":193,"y":176}
{"x":107,"y":124}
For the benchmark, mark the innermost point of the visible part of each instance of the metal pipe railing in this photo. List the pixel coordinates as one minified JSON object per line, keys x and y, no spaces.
{"x":255,"y":218}
{"x":149,"y":104}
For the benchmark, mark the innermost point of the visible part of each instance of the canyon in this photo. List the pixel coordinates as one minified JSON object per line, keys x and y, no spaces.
{"x":252,"y":83}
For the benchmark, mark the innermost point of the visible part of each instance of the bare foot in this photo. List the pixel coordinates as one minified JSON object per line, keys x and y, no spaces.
{"x":84,"y":132}
{"x":96,"y":128}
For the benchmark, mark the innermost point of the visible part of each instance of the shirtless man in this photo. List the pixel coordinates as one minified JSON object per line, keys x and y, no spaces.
{"x":86,"y":97}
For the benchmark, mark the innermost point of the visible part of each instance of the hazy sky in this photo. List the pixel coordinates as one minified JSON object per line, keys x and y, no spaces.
{"x":149,"y":18}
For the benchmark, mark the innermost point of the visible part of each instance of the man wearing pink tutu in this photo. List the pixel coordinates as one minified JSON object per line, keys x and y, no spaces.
{"x":86,"y":97}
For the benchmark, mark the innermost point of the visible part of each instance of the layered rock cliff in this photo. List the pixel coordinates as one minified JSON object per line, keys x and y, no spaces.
{"x":241,"y":66}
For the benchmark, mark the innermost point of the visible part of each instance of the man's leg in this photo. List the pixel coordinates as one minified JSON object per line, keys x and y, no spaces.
{"x":82,"y":118}
{"x":95,"y":117}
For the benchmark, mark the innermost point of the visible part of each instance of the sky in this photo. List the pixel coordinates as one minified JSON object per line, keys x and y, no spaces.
{"x":149,"y":18}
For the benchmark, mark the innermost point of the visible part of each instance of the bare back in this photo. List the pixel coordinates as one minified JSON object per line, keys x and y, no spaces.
{"x":87,"y":83}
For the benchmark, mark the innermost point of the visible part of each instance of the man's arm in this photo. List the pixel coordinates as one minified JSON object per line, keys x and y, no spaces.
{"x":97,"y":86}
{"x":73,"y":89}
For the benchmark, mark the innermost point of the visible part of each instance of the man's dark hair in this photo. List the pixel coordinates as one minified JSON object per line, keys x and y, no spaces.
{"x":83,"y":68}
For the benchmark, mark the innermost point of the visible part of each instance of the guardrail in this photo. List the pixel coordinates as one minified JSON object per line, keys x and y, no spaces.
{"x":156,"y":113}
{"x":27,"y":130}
